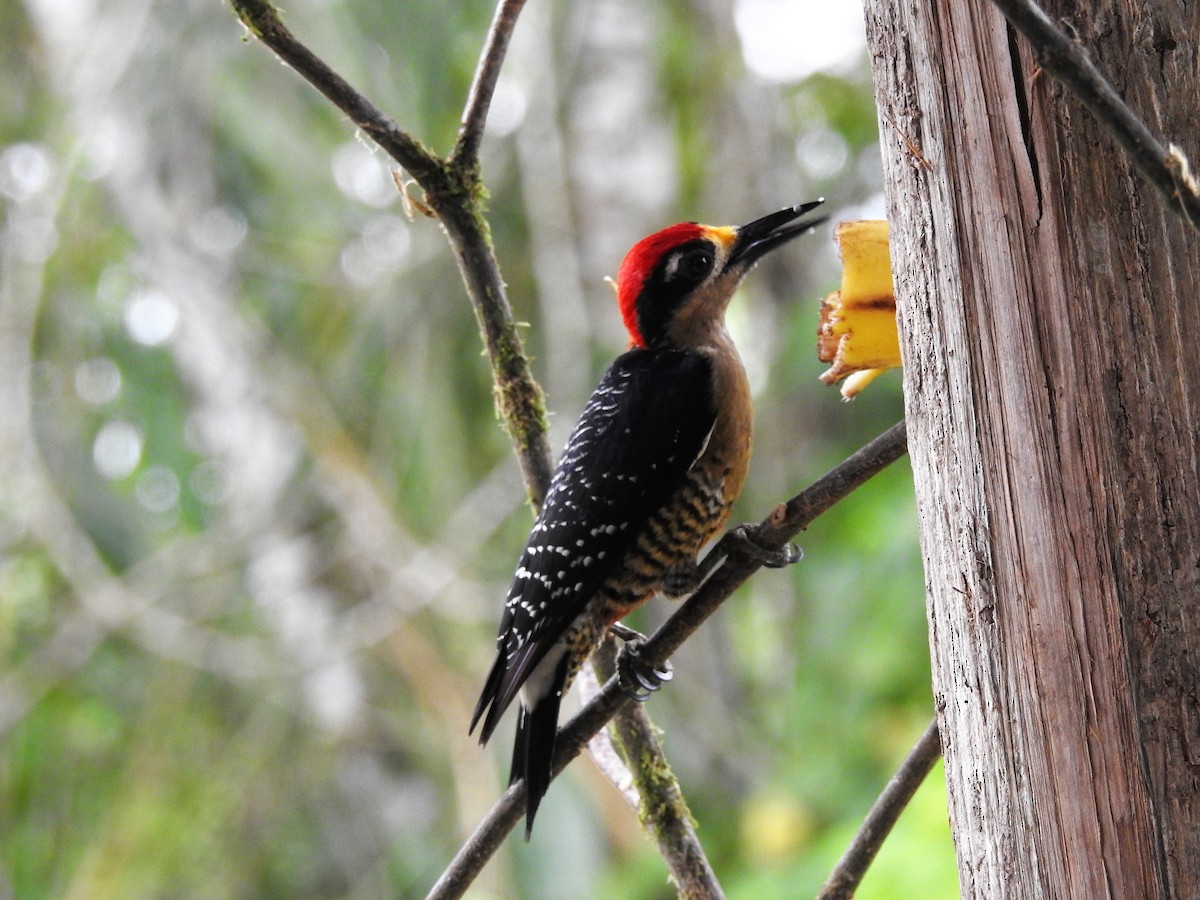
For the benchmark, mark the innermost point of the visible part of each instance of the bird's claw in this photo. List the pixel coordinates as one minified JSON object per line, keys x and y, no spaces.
{"x":745,"y":541}
{"x":787,"y":555}
{"x":637,"y":678}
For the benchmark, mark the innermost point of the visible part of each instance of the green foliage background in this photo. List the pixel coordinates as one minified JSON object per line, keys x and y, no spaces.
{"x":257,"y":516}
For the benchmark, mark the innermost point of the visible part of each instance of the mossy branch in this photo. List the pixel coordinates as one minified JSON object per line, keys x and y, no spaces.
{"x":663,"y":809}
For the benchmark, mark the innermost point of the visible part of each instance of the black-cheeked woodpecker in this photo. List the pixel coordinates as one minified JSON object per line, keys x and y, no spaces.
{"x":648,"y":477}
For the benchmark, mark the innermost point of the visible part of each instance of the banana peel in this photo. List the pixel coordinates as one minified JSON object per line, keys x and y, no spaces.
{"x":857,"y":334}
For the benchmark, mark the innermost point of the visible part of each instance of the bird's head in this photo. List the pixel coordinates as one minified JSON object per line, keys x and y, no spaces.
{"x":675,"y":283}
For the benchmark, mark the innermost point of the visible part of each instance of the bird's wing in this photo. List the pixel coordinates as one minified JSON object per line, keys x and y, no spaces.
{"x":630,"y":452}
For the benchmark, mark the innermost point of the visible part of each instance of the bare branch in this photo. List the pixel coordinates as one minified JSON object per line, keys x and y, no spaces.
{"x":849,"y":871}
{"x":263,"y":20}
{"x":785,"y":521}
{"x":466,"y":151}
{"x":1067,"y":60}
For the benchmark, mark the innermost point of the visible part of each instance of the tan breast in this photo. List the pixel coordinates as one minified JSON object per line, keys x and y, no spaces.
{"x":726,"y":459}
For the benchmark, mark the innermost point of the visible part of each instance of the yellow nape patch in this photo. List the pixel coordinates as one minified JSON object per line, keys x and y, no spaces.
{"x":722,"y":235}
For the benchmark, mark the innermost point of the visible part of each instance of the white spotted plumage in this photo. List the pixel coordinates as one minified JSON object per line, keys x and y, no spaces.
{"x":657,"y":458}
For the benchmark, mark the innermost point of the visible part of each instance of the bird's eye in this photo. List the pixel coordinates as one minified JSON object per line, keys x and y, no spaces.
{"x":694,"y":265}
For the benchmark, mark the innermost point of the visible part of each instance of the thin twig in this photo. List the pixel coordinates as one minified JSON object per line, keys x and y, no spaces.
{"x":784,"y":522}
{"x":466,"y":151}
{"x":663,"y":808}
{"x":455,"y":193}
{"x":1068,"y":61}
{"x":844,"y":879}
{"x":263,"y":20}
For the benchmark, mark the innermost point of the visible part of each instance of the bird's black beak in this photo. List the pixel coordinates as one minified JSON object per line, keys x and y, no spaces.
{"x":759,"y":237}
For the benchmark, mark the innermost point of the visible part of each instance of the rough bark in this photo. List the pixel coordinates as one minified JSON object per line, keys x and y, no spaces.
{"x":1050,"y":320}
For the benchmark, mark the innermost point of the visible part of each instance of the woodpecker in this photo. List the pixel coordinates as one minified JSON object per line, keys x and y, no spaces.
{"x":648,"y":476}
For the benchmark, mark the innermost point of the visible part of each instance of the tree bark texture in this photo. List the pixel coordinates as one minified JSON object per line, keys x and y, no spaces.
{"x":1049,"y":311}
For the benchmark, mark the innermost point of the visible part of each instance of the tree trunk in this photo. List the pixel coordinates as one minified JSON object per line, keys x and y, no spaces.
{"x":1050,"y":323}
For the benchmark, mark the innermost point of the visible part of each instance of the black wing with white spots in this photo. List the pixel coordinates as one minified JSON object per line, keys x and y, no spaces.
{"x":642,"y":430}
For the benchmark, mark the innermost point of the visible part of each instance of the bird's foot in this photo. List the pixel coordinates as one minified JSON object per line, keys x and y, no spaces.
{"x":638,"y":678}
{"x":743,"y":540}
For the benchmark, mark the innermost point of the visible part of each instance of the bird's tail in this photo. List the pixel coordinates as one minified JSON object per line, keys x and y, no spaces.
{"x":533,"y":750}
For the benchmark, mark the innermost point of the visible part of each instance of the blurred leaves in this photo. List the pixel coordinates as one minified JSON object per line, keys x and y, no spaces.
{"x":257,"y":515}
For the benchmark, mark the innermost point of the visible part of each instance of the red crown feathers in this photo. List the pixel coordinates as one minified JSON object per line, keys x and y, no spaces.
{"x":637,"y":265}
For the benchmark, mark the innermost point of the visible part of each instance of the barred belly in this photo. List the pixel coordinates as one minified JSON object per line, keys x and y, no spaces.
{"x":670,"y":542}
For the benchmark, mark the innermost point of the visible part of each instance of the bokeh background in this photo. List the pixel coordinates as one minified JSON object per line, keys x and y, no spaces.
{"x":257,"y":515}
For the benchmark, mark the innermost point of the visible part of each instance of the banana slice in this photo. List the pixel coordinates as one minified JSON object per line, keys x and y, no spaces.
{"x":858,"y":334}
